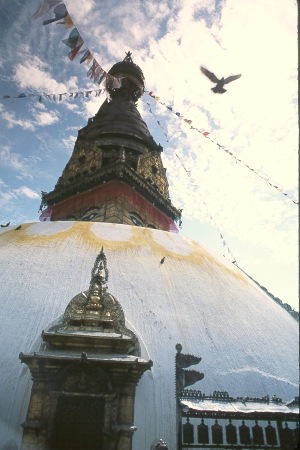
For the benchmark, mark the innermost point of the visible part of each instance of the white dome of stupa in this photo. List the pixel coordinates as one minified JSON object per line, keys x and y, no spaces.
{"x":172,"y":290}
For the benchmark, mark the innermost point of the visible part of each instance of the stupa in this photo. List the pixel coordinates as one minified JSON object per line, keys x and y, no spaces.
{"x":165,"y":344}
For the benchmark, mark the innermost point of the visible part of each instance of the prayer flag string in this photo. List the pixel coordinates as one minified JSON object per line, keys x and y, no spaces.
{"x":56,"y":97}
{"x":75,"y":42}
{"x":98,"y":74}
{"x":220,"y":146}
{"x":224,"y":243}
{"x":86,"y":94}
{"x":157,"y":121}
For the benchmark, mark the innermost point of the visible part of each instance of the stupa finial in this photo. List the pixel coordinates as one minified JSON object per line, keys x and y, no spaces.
{"x":98,"y":283}
{"x":128,"y":57}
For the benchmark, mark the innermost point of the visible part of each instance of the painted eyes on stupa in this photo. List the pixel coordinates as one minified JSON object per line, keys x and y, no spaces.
{"x":90,"y":216}
{"x":135,"y":221}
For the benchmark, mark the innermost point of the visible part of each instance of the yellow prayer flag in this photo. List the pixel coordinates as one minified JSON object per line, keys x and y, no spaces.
{"x":68,"y":22}
{"x":89,"y":58}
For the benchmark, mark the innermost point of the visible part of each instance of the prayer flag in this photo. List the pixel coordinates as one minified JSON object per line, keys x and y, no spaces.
{"x":97,"y":72}
{"x":89,"y":58}
{"x":100,"y":76}
{"x":67,"y":22}
{"x":46,"y":215}
{"x":85,"y":56}
{"x":44,"y":7}
{"x":73,"y":53}
{"x":60,"y":11}
{"x":73,"y":38}
{"x":91,"y":72}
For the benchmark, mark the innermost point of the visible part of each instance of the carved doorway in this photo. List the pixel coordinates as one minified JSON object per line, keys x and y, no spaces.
{"x":78,"y":423}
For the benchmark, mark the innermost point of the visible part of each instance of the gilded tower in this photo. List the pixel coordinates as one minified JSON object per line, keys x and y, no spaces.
{"x":115,"y":173}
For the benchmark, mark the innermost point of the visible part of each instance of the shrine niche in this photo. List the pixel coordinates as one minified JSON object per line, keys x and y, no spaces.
{"x":85,"y":375}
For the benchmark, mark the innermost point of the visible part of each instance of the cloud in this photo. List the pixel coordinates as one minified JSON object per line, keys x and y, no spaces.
{"x":2,"y":183}
{"x":82,"y":9}
{"x":69,"y":143}
{"x":10,"y":201}
{"x":40,"y":117}
{"x":91,"y":107}
{"x":6,"y":198}
{"x":33,"y":73}
{"x":72,"y":84}
{"x":12,"y":121}
{"x":46,"y":118}
{"x":27,"y":192}
{"x":13,"y":161}
{"x":72,"y":107}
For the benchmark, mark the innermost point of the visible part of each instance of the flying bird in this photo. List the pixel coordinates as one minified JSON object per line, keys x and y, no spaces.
{"x":4,"y":226}
{"x":219,"y":88}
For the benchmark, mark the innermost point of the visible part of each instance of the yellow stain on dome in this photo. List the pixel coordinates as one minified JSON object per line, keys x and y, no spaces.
{"x":133,"y":238}
{"x":23,"y":236}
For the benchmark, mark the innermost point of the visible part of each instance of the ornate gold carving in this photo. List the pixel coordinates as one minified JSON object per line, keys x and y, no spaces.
{"x":151,"y":168}
{"x":96,"y":309}
{"x":85,"y":159}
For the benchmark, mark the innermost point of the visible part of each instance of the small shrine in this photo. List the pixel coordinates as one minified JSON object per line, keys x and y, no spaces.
{"x":84,"y":375}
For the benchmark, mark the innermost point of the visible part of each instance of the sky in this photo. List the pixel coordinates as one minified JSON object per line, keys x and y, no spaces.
{"x":231,"y":159}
